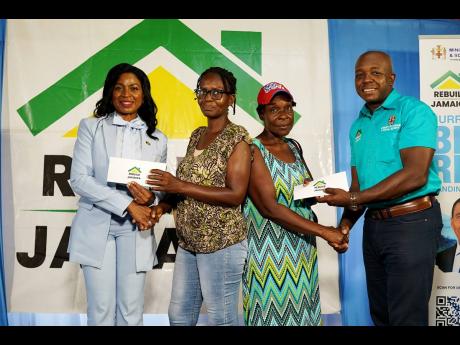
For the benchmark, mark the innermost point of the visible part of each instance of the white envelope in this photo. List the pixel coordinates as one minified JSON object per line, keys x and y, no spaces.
{"x":122,"y":170}
{"x":317,"y":186}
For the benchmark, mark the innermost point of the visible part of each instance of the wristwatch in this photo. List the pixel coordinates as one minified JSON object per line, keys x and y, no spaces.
{"x":354,"y":204}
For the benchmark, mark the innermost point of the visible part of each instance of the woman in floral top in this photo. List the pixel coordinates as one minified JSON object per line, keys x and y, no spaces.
{"x":212,"y":181}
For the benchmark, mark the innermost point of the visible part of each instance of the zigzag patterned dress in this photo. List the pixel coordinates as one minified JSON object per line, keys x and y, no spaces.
{"x":280,"y":278}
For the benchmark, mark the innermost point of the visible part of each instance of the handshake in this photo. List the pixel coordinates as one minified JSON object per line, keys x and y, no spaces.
{"x":337,"y":238}
{"x":140,"y":209}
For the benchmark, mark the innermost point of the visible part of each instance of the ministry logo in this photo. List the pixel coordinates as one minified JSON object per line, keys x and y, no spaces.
{"x":438,"y":53}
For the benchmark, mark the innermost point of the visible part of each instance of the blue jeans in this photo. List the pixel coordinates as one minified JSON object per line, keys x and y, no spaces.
{"x":399,"y":258}
{"x":214,"y":278}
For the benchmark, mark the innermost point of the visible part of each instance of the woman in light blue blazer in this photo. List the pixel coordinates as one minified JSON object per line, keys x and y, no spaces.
{"x":112,"y":235}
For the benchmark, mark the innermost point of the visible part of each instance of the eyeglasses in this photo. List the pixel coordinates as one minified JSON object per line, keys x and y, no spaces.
{"x":216,"y":94}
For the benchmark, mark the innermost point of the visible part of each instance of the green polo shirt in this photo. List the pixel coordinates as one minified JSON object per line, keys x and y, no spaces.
{"x":375,"y":139}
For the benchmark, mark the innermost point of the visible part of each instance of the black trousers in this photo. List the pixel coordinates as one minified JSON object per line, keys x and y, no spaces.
{"x":399,"y":257}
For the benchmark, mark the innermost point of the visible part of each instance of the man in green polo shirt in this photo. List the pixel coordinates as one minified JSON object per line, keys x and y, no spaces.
{"x":394,"y":177}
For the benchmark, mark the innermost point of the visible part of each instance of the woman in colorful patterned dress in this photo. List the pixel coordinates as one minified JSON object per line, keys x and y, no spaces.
{"x":212,"y":181}
{"x":280,"y":278}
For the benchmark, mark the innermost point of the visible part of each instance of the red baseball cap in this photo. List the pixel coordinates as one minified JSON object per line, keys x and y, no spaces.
{"x":268,"y":91}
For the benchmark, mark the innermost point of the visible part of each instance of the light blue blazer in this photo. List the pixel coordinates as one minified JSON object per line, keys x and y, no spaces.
{"x":96,"y":142}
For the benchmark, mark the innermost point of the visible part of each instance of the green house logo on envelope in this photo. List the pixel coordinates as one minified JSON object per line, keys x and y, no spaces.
{"x":134,"y":171}
{"x":319,"y":186}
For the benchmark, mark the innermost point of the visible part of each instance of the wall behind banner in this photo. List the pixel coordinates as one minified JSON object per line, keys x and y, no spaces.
{"x":347,"y":40}
{"x":3,"y":313}
{"x":52,"y":85}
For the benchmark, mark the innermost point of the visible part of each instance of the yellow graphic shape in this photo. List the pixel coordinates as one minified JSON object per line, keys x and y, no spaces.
{"x":72,"y":133}
{"x":178,"y":111}
{"x":449,"y":84}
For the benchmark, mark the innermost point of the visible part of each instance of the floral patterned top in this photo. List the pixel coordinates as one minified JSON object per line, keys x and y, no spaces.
{"x":201,"y":227}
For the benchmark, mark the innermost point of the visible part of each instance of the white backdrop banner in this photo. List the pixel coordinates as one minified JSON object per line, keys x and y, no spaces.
{"x":440,"y":89}
{"x":54,"y":73}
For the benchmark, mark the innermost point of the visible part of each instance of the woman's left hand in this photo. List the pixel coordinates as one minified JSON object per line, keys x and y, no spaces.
{"x":163,"y":181}
{"x":141,"y":195}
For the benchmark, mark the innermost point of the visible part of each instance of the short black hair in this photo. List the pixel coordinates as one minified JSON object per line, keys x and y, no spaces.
{"x":380,"y":52}
{"x":227,"y":77}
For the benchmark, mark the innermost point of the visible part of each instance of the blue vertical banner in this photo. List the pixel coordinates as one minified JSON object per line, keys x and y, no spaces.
{"x":347,"y":40}
{"x":3,"y":312}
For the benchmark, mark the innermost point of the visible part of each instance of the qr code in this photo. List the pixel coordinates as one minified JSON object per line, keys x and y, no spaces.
{"x":447,"y":310}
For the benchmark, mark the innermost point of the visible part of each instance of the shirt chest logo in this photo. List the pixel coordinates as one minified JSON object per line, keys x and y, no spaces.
{"x":391,"y":126}
{"x":391,"y":120}
{"x":358,"y":135}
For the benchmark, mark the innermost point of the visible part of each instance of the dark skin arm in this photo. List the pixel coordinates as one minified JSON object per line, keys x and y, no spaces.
{"x":236,"y":182}
{"x":349,"y":217}
{"x":141,"y":216}
{"x":145,"y":197}
{"x":413,"y":175}
{"x":141,"y":195}
{"x":164,"y":206}
{"x":263,"y":194}
{"x":159,"y":210}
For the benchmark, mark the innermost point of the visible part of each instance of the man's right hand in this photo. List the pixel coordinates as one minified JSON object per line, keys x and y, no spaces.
{"x":335,"y":197}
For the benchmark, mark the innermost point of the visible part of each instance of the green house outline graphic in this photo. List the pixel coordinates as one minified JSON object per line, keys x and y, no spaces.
{"x":51,"y":104}
{"x":135,"y":171}
{"x":444,"y":77}
{"x":319,"y":184}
